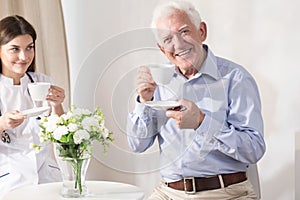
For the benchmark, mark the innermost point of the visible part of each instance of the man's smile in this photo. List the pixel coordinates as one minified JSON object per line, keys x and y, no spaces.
{"x":182,"y":53}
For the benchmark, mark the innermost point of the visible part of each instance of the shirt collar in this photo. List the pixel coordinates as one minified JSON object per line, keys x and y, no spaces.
{"x":9,"y":81}
{"x":209,"y":66}
{"x":6,"y":80}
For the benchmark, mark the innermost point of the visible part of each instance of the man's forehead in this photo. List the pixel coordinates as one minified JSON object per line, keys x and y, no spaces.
{"x":166,"y":32}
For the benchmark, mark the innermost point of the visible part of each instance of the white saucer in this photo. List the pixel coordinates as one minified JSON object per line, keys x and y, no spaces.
{"x":162,"y":105}
{"x":35,"y":111}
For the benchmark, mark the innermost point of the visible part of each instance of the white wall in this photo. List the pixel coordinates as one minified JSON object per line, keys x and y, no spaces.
{"x":297,"y":164}
{"x":107,"y":40}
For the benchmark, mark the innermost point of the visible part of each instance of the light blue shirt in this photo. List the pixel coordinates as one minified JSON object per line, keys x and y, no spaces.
{"x":230,"y":136}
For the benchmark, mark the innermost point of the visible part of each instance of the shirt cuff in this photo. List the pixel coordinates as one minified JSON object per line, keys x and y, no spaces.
{"x":209,"y":129}
{"x":138,"y":99}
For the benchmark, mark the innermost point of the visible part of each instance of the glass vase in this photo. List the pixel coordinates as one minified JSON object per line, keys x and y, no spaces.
{"x":73,"y":172}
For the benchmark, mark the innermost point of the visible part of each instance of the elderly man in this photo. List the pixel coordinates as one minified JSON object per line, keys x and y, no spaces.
{"x":205,"y":148}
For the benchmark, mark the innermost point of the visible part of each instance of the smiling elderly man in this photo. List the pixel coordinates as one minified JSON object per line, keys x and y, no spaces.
{"x":205,"y":148}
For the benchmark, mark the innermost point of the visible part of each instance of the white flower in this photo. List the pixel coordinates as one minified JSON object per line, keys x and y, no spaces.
{"x":77,"y":126}
{"x":88,"y":122}
{"x":54,"y":119}
{"x":43,"y":137}
{"x":52,"y":122}
{"x":60,"y":131}
{"x":80,"y":135}
{"x":50,"y":127}
{"x":72,"y":127}
{"x":79,"y":111}
{"x":102,"y":121}
{"x":98,"y":117}
{"x":65,"y":116}
{"x":105,"y":133}
{"x":70,"y":114}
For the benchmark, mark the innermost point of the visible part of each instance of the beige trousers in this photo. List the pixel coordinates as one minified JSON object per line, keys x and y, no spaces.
{"x":239,"y":191}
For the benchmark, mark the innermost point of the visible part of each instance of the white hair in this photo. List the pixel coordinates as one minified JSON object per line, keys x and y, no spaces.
{"x":166,"y":9}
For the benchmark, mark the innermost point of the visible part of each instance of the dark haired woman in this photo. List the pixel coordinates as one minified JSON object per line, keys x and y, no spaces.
{"x":19,"y":164}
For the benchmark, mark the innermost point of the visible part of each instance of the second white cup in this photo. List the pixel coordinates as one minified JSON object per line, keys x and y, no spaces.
{"x":38,"y":90}
{"x":161,"y":73}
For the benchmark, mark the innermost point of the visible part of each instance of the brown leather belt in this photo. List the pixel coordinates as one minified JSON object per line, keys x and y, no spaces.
{"x":196,"y":184}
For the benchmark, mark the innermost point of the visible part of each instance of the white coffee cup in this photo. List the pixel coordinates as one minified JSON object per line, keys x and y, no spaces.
{"x":162,"y":73}
{"x":38,"y":90}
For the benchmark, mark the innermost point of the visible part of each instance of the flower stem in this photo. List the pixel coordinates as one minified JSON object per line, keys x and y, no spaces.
{"x":78,"y":174}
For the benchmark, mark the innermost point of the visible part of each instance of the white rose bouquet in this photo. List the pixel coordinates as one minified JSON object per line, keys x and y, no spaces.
{"x":74,"y":133}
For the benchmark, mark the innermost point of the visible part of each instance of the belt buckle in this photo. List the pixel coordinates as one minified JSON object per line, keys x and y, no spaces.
{"x":193,"y":184}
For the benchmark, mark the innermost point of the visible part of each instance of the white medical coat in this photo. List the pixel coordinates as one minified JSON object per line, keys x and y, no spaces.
{"x":19,"y":164}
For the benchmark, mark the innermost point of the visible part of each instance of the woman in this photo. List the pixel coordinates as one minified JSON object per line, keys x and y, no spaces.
{"x":19,"y":164}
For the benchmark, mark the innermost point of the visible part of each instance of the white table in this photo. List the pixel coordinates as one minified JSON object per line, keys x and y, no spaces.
{"x":97,"y":190}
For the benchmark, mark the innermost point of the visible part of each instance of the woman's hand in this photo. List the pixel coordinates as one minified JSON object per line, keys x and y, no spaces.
{"x":11,"y":119}
{"x":56,"y":97}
